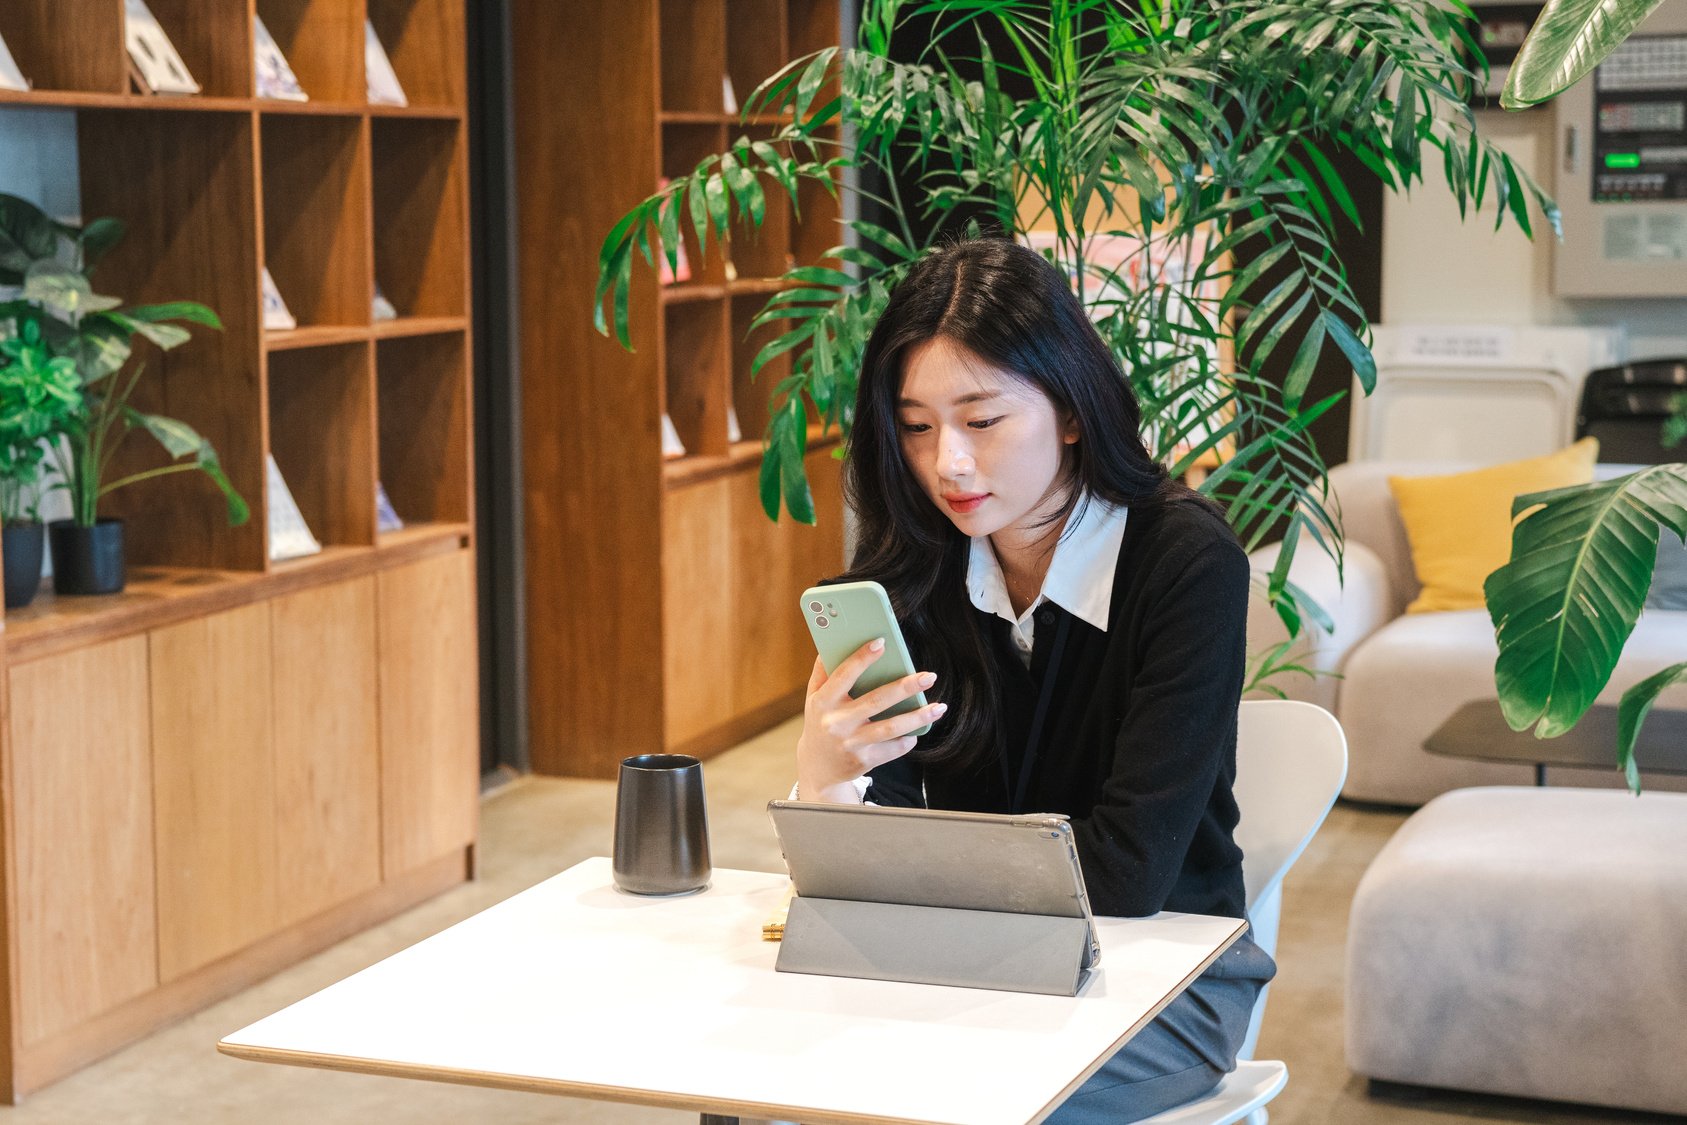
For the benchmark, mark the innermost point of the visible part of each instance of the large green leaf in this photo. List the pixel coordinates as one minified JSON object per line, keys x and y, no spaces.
{"x":1564,"y":606}
{"x":1570,"y":38}
{"x":181,"y":440}
{"x":1631,"y":712}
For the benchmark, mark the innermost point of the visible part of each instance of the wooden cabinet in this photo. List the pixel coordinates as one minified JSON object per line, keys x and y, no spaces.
{"x":81,"y":837}
{"x":213,"y":783}
{"x":211,"y":796}
{"x":238,"y":761}
{"x":660,"y":598}
{"x":327,"y":805}
{"x":429,"y":701}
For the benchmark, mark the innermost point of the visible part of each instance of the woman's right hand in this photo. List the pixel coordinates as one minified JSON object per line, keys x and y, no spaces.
{"x":840,"y":741}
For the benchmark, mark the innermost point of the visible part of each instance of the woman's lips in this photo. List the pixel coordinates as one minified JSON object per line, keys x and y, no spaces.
{"x":966,"y":503}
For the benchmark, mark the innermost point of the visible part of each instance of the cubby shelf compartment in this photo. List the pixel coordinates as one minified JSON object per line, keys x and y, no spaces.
{"x":322,"y":435}
{"x":425,"y":428}
{"x":316,"y":217}
{"x":424,"y":41}
{"x":322,"y":41}
{"x":421,"y":216}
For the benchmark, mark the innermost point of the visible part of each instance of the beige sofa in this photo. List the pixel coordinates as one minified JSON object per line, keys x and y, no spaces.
{"x":1402,"y":675}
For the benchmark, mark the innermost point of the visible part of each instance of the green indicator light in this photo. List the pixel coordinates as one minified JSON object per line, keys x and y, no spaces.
{"x":1622,"y":160}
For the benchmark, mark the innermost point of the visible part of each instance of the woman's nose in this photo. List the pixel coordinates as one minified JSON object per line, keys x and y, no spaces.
{"x":954,"y":459}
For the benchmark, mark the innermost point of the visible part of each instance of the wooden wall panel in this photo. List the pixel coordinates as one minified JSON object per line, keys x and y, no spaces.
{"x":591,"y":414}
{"x":213,"y":787}
{"x":82,"y":798}
{"x":699,"y":615}
{"x":771,"y":566}
{"x":327,"y":779}
{"x":430,"y":722}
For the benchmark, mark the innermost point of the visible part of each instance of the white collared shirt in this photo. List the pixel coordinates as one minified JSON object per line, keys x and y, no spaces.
{"x":1079,"y":579}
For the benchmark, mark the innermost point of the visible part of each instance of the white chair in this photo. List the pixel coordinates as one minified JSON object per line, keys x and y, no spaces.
{"x":1291,"y":759}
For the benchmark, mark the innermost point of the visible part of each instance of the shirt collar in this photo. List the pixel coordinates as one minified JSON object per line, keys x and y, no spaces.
{"x":1080,"y":577}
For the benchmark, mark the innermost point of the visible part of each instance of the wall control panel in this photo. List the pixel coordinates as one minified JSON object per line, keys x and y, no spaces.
{"x":1622,"y":168}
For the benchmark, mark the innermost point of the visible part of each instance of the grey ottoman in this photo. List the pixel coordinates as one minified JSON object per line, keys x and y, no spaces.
{"x":1529,"y":942}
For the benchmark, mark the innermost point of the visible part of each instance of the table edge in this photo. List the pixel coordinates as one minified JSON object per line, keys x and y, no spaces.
{"x":583,"y":1090}
{"x":1131,"y":1032}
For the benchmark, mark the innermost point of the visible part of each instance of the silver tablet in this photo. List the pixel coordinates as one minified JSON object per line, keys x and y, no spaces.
{"x":927,"y":857}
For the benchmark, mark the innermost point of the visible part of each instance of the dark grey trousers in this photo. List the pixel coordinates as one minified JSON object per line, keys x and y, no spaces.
{"x":1184,"y":1053}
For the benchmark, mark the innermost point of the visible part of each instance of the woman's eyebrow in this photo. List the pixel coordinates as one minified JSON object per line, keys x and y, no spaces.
{"x":975,"y":396}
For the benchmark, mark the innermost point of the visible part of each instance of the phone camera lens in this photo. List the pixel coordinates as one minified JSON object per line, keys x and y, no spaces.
{"x":814,"y":607}
{"x":822,"y":622}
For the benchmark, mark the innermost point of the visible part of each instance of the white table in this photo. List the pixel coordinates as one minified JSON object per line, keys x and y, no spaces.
{"x":574,"y":988}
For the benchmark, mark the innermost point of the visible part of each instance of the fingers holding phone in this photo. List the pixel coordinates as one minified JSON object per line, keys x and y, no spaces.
{"x":845,"y":737}
{"x":866,"y":703}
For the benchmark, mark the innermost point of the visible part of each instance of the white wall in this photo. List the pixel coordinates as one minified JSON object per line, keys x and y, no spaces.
{"x":38,"y":163}
{"x":1437,"y":270}
{"x":38,"y":159}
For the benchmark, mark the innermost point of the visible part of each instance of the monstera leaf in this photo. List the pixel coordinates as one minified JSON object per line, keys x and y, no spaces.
{"x":1564,"y":606}
{"x":1570,"y":38}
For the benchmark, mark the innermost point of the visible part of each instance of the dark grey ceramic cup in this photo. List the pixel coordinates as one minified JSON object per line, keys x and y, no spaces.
{"x":661,"y":826}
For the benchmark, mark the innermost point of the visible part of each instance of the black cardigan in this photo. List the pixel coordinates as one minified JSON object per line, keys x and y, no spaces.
{"x":1131,"y":732}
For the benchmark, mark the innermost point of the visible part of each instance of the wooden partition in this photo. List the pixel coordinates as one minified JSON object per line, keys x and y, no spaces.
{"x":661,"y":600}
{"x":239,"y":761}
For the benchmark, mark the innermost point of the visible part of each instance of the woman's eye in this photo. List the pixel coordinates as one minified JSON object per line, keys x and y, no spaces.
{"x":915,"y":427}
{"x":984,"y":423}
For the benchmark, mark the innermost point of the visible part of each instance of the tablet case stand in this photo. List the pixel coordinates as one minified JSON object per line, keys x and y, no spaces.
{"x":935,"y":945}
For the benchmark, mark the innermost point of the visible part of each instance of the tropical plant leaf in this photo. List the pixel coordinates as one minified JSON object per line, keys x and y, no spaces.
{"x":1566,"y":602}
{"x":62,"y":291}
{"x":181,"y":440}
{"x":1636,"y":704}
{"x":1568,"y":40}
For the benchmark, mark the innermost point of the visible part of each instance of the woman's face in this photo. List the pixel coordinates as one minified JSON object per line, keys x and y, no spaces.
{"x":986,"y":445}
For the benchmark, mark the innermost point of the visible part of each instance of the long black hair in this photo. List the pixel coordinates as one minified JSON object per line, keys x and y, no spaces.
{"x":1008,"y":305}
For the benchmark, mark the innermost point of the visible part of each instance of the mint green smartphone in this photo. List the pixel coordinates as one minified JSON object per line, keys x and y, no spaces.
{"x":844,"y":617}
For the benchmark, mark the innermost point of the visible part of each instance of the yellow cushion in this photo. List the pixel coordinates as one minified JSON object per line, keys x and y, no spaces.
{"x":1459,"y":525}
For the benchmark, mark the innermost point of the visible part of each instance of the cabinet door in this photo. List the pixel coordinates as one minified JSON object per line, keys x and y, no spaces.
{"x":430,"y":711}
{"x":772,"y":564}
{"x":699,"y":618}
{"x":327,"y":769}
{"x":213,"y":787}
{"x":82,"y":829}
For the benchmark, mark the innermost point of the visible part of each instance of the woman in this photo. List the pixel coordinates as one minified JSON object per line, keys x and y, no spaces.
{"x":1079,"y":616}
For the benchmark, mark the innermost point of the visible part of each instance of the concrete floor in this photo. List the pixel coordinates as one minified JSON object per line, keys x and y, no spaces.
{"x":536,"y":827}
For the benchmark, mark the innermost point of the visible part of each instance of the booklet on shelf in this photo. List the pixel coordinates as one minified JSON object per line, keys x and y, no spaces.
{"x":672,"y":446}
{"x":384,"y":88}
{"x":154,"y":63}
{"x":289,"y":535}
{"x":386,"y":516}
{"x":277,"y":317}
{"x":11,"y":78}
{"x":275,"y":79}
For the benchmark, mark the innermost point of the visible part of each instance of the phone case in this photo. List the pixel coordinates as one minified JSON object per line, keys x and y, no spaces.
{"x":844,"y":617}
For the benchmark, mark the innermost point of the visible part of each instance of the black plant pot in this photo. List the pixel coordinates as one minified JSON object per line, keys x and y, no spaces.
{"x":22,"y":545}
{"x":87,"y":560}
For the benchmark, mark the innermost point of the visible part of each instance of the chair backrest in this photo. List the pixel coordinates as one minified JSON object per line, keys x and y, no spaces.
{"x":1291,"y":760}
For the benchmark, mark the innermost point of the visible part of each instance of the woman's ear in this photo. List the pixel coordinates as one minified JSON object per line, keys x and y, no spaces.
{"x":1069,"y":433}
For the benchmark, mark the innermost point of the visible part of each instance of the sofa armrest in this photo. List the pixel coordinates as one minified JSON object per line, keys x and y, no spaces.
{"x":1358,"y":607}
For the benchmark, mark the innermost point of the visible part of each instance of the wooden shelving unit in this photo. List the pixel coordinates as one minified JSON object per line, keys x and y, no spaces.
{"x":661,"y":600}
{"x":236,"y":761}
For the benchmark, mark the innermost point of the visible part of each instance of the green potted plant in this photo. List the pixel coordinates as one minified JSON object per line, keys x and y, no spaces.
{"x":1583,"y":559}
{"x":50,"y":264}
{"x":1153,"y":142}
{"x":39,"y":394}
